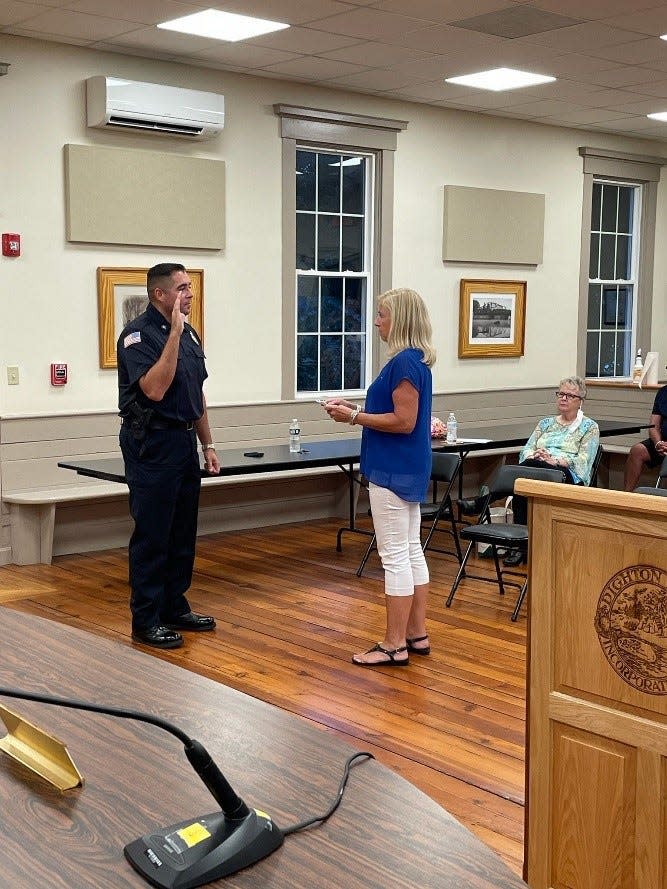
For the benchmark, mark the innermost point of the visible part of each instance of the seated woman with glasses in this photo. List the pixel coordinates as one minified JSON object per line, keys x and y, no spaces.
{"x":568,"y":441}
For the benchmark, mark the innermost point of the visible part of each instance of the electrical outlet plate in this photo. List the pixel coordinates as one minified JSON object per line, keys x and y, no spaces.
{"x":13,"y":376}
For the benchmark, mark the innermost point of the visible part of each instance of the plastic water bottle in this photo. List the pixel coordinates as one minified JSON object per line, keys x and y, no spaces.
{"x":452,"y":428}
{"x":294,"y":437}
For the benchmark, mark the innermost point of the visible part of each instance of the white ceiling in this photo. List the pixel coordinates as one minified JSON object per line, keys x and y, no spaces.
{"x":610,"y":65}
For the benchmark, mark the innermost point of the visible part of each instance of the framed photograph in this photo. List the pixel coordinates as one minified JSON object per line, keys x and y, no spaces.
{"x":492,"y":319}
{"x":121,"y":296}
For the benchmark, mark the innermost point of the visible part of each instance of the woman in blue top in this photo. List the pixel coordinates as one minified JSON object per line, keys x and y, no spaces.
{"x":396,"y":461}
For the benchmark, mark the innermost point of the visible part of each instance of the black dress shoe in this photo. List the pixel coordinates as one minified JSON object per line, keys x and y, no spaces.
{"x":514,"y":557}
{"x":192,"y":621}
{"x":473,"y":506}
{"x":158,"y":637}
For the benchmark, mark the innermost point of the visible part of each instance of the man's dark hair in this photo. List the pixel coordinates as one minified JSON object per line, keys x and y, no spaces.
{"x":157,"y":275}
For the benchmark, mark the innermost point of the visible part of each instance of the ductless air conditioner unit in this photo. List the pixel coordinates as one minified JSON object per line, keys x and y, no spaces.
{"x":113,"y":102}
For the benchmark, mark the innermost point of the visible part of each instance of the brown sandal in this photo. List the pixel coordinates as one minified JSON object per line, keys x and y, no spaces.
{"x":391,"y":657}
{"x":410,"y":645}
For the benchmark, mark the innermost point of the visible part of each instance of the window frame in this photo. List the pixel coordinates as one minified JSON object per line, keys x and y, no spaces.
{"x":632,"y":281}
{"x":366,"y":274}
{"x":625,"y":169}
{"x":321,"y":129}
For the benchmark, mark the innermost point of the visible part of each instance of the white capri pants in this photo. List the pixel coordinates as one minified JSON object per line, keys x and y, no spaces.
{"x":397,"y":523}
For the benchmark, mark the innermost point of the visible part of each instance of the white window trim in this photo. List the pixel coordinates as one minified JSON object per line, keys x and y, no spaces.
{"x":317,"y":127}
{"x":632,"y":169}
{"x":368,"y":216}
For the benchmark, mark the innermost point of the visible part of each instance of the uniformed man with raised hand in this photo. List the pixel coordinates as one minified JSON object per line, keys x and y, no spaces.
{"x":161,"y":371}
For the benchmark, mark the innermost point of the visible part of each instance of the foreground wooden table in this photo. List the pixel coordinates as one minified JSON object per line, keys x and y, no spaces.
{"x":385,"y":833}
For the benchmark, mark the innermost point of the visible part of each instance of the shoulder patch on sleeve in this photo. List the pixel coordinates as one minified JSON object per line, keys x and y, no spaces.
{"x":132,"y":338}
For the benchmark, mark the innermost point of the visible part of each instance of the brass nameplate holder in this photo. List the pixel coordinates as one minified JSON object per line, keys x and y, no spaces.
{"x":38,"y":751}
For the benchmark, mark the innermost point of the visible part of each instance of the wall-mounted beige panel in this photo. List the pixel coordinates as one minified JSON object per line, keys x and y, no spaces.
{"x":490,"y":225}
{"x":146,"y":198}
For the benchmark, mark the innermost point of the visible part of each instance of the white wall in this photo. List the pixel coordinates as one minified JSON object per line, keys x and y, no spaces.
{"x":49,"y":306}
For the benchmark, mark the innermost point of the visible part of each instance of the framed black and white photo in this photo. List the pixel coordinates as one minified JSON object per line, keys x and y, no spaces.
{"x":492,"y":319}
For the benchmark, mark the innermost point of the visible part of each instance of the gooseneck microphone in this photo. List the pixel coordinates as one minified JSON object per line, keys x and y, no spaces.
{"x":201,"y":849}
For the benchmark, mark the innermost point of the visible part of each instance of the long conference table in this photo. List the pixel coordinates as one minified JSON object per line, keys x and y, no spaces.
{"x":344,"y":451}
{"x":386,"y":834}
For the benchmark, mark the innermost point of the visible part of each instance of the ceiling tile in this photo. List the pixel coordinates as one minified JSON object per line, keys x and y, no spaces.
{"x":594,"y":9}
{"x":580,"y":38}
{"x":375,"y":79}
{"x":648,"y":21}
{"x":445,"y":11}
{"x":245,"y":55}
{"x":626,"y":76}
{"x":517,"y":21}
{"x":163,"y":41}
{"x":371,"y":24}
{"x":314,"y":67}
{"x":378,"y":54}
{"x":63,"y":23}
{"x":147,"y":12}
{"x":294,"y":12}
{"x":14,"y":13}
{"x":646,"y":52}
{"x":306,"y":41}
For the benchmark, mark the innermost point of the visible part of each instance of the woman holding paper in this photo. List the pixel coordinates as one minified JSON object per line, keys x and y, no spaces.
{"x":396,"y":460}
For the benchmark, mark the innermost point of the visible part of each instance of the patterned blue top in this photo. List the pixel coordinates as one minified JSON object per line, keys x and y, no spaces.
{"x":399,"y":461}
{"x":578,"y":446}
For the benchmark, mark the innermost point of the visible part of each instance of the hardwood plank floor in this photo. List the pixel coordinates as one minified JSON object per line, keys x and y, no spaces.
{"x":291,"y":612}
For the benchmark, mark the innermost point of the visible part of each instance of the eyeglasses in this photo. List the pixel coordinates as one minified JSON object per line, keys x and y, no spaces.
{"x":567,"y":395}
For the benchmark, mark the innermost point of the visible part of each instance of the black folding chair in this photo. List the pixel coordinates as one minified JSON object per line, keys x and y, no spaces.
{"x":660,"y":492}
{"x":596,"y":466}
{"x":501,"y":535}
{"x":662,"y":475}
{"x":439,"y":511}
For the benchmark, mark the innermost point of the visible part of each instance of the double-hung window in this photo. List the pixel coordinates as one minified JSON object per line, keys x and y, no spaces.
{"x":334,"y":283}
{"x":616,"y":281}
{"x":612,"y":285}
{"x":338,"y":196}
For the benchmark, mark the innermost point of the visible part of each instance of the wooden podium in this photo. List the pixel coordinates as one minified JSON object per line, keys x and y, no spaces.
{"x":596,"y":776}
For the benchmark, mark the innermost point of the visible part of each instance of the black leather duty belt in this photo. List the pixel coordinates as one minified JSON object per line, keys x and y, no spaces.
{"x":161,"y":423}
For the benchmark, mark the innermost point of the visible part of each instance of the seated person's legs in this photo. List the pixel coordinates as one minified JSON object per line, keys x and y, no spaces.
{"x":641,"y":455}
{"x":520,"y":509}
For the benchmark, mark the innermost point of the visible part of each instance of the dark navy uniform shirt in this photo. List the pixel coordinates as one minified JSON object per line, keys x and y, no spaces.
{"x":139,"y":346}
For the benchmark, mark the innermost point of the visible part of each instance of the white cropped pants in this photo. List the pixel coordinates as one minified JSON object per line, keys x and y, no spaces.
{"x":397,"y":523}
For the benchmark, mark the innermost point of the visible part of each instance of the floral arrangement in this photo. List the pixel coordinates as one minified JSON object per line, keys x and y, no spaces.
{"x":438,"y":428}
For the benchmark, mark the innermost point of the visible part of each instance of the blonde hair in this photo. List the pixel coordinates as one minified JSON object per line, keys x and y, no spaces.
{"x":575,"y":381}
{"x":410,"y":323}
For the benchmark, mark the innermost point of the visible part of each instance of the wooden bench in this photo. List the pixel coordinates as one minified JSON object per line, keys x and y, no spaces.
{"x":32,"y":512}
{"x":33,"y":515}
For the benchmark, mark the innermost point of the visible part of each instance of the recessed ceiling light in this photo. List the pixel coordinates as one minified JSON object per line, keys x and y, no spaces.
{"x":658,"y":115}
{"x":222,"y":25}
{"x":499,"y":79}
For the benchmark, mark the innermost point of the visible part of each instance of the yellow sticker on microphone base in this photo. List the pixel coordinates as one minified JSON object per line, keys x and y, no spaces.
{"x":193,"y":834}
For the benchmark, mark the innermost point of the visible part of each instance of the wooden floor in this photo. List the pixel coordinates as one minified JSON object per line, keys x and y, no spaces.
{"x":291,"y":612}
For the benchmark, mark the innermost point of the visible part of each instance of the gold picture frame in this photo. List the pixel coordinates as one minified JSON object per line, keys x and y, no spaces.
{"x":492,"y":319}
{"x":121,"y":296}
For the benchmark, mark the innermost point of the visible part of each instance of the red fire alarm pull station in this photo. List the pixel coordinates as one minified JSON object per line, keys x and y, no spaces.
{"x":58,"y":374}
{"x":11,"y":244}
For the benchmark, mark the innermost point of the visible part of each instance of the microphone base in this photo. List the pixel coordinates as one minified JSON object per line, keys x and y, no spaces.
{"x":204,"y":849}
